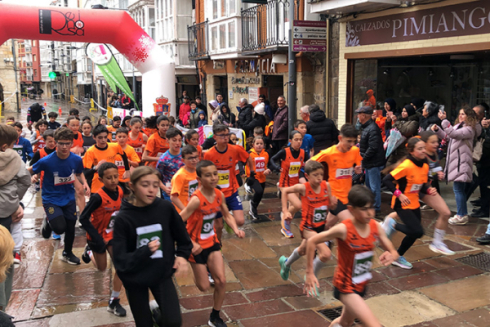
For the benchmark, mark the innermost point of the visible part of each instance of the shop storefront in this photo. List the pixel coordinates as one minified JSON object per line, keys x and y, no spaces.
{"x":437,"y":52}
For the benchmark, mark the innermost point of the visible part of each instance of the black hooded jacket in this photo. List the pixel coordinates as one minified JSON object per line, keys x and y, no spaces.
{"x":323,"y":130}
{"x":371,"y":145}
{"x":245,"y":117}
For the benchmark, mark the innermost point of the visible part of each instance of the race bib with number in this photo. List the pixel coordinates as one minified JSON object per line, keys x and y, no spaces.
{"x":361,"y":272}
{"x":63,"y":180}
{"x":320,"y":214}
{"x":416,"y":188}
{"x":192,"y":187}
{"x":344,"y":173}
{"x":110,"y":225}
{"x":119,"y":164}
{"x":294,"y":168}
{"x":259,"y":164}
{"x":207,"y":229}
{"x":19,"y":149}
{"x":138,"y":150}
{"x":149,"y":233}
{"x":224,"y":178}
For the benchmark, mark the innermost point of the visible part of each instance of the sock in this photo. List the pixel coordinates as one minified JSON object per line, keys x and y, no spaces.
{"x":317,"y":265}
{"x":215,"y":313}
{"x":114,"y":295}
{"x":439,"y":235}
{"x":293,"y":257}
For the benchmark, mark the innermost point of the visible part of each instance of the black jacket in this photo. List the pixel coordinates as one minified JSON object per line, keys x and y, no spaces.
{"x":371,"y":145}
{"x":257,"y":121}
{"x":485,"y":157}
{"x":245,"y":117}
{"x":323,"y":130}
{"x":133,"y":263}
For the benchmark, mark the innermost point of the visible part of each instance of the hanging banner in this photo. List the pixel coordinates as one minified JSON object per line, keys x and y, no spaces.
{"x":102,"y":56}
{"x":207,"y":130}
{"x":125,"y":112}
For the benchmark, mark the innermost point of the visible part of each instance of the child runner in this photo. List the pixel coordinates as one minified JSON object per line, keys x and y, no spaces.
{"x":102,"y":121}
{"x":234,"y":141}
{"x":37,"y":140}
{"x":116,"y":123}
{"x":150,"y":126}
{"x":308,"y":140}
{"x":192,"y":138}
{"x":200,"y":215}
{"x":148,"y":247}
{"x":316,"y":199}
{"x":133,"y":159}
{"x":23,"y":147}
{"x":136,"y":138}
{"x":171,"y":161}
{"x":260,"y":160}
{"x":44,"y":152}
{"x":98,"y":220}
{"x":357,"y":238}
{"x":157,"y":143}
{"x":289,"y":162}
{"x":61,"y":170}
{"x":52,"y":123}
{"x":225,"y":156}
{"x":411,"y":177}
{"x":73,"y":123}
{"x":88,"y":138}
{"x":184,"y":182}
{"x":102,"y":152}
{"x":340,"y":161}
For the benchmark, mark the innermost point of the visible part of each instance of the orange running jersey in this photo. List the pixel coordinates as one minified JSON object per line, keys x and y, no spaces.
{"x":103,"y":217}
{"x":340,"y":169}
{"x":314,"y":207}
{"x":132,"y":156}
{"x":260,"y":161}
{"x":42,"y":154}
{"x":354,"y":258}
{"x":200,"y":224}
{"x":93,"y":156}
{"x":225,"y":163}
{"x":78,"y":141}
{"x":137,"y":144}
{"x":199,"y":152}
{"x":184,"y":184}
{"x":156,"y":146}
{"x":112,"y":132}
{"x":150,"y":131}
{"x":290,"y":168}
{"x":40,"y":144}
{"x":410,"y":179}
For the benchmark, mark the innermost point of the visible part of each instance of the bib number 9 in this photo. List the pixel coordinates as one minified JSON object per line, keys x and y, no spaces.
{"x":320,"y":214}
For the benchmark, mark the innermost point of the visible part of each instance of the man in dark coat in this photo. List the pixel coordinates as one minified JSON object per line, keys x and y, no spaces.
{"x":245,"y":115}
{"x":322,"y":129}
{"x":280,"y":127}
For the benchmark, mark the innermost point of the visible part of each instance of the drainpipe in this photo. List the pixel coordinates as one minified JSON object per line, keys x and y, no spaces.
{"x":327,"y":73}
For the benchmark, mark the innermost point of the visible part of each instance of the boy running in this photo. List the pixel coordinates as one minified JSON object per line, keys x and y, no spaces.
{"x":184,"y":182}
{"x":171,"y":161}
{"x":133,"y":159}
{"x":200,"y":215}
{"x":116,"y":123}
{"x":37,"y":140}
{"x":61,"y":170}
{"x":357,"y":238}
{"x":316,"y":199}
{"x":98,"y":220}
{"x":225,"y":156}
{"x":157,"y":143}
{"x":23,"y":147}
{"x":52,"y":123}
{"x":340,"y":161}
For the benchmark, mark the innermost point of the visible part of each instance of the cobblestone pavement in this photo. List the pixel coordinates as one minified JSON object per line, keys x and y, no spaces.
{"x":438,"y":292}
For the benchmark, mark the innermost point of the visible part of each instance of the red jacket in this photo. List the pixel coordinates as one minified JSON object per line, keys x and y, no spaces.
{"x":184,"y":109}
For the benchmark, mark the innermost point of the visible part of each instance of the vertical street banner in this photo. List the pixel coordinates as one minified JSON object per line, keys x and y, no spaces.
{"x":102,"y":56}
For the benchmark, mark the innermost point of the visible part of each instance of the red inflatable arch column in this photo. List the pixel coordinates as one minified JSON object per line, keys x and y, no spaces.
{"x":114,"y":27}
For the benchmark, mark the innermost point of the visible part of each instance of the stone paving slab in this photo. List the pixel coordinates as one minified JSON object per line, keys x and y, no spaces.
{"x":90,"y":318}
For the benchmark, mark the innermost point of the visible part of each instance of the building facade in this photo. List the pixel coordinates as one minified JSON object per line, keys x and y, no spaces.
{"x":8,"y":85}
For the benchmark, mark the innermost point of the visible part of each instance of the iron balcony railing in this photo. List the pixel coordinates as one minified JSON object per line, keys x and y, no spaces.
{"x":265,"y":27}
{"x":198,"y":41}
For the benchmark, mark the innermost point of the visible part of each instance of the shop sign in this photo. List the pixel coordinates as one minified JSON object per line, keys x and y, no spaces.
{"x":309,"y":36}
{"x":253,"y":94}
{"x":456,"y":20}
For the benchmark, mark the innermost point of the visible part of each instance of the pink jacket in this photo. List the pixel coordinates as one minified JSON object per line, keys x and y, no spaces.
{"x":459,"y":159}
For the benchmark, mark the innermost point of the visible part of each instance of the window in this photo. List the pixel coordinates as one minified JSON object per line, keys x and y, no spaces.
{"x":35,"y":72}
{"x":214,"y":38}
{"x":231,"y":34}
{"x":215,"y":9}
{"x":222,"y":36}
{"x":223,"y":8}
{"x":34,"y":58}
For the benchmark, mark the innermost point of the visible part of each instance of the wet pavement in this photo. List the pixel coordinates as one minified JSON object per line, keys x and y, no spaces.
{"x":439,"y":291}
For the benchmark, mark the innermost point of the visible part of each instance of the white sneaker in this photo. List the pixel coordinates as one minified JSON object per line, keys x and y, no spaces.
{"x":440,"y":248}
{"x":425,"y":207}
{"x":248,"y":190}
{"x":457,"y":220}
{"x":210,"y":278}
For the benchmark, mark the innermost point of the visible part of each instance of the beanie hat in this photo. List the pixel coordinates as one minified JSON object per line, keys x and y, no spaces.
{"x":260,"y":109}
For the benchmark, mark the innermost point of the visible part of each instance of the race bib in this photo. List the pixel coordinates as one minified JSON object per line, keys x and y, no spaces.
{"x":63,"y":180}
{"x":434,"y":171}
{"x":320,"y":214}
{"x":138,"y":150}
{"x":110,"y":225}
{"x":361,"y":272}
{"x":416,"y":188}
{"x":259,"y":164}
{"x":207,"y":229}
{"x":294,"y":168}
{"x":192,"y":187}
{"x":344,"y":173}
{"x":119,"y":164}
{"x":114,"y":136}
{"x":19,"y":149}
{"x":224,"y":178}
{"x":149,"y":233}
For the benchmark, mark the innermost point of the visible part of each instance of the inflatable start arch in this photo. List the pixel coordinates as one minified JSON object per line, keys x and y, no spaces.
{"x":96,"y":26}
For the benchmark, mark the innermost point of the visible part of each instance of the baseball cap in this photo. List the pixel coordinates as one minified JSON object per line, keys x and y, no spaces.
{"x":364,"y":110}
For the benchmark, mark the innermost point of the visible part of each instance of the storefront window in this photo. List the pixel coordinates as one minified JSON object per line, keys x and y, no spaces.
{"x":365,"y":78}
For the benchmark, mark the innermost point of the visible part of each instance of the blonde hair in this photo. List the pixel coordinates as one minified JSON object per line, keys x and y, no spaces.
{"x":6,"y":249}
{"x":138,"y":174}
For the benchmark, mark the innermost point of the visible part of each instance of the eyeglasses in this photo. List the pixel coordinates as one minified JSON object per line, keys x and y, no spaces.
{"x":223,"y":135}
{"x":63,"y":144}
{"x":192,"y":158}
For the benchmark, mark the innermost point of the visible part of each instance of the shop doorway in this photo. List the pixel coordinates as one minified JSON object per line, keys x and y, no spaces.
{"x":274,"y":86}
{"x":221,"y":87}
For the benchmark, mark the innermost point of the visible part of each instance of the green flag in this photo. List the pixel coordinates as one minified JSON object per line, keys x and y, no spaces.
{"x":102,"y":56}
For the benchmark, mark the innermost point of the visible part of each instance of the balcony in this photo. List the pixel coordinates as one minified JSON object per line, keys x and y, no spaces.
{"x":198,"y":44}
{"x":265,"y":27}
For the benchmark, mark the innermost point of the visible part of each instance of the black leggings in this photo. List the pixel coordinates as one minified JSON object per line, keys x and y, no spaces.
{"x":60,"y":225}
{"x":411,"y":227}
{"x":258,"y":192}
{"x":166,"y":297}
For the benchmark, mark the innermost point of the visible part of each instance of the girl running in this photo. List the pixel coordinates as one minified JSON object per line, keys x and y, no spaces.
{"x":411,"y":178}
{"x":192,"y":138}
{"x":136,"y":138}
{"x":289,"y":162}
{"x":148,"y":247}
{"x":88,"y":138}
{"x":260,"y":160}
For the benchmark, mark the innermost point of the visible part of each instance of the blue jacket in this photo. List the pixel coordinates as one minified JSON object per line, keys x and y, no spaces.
{"x":202,"y":123}
{"x":24,"y":148}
